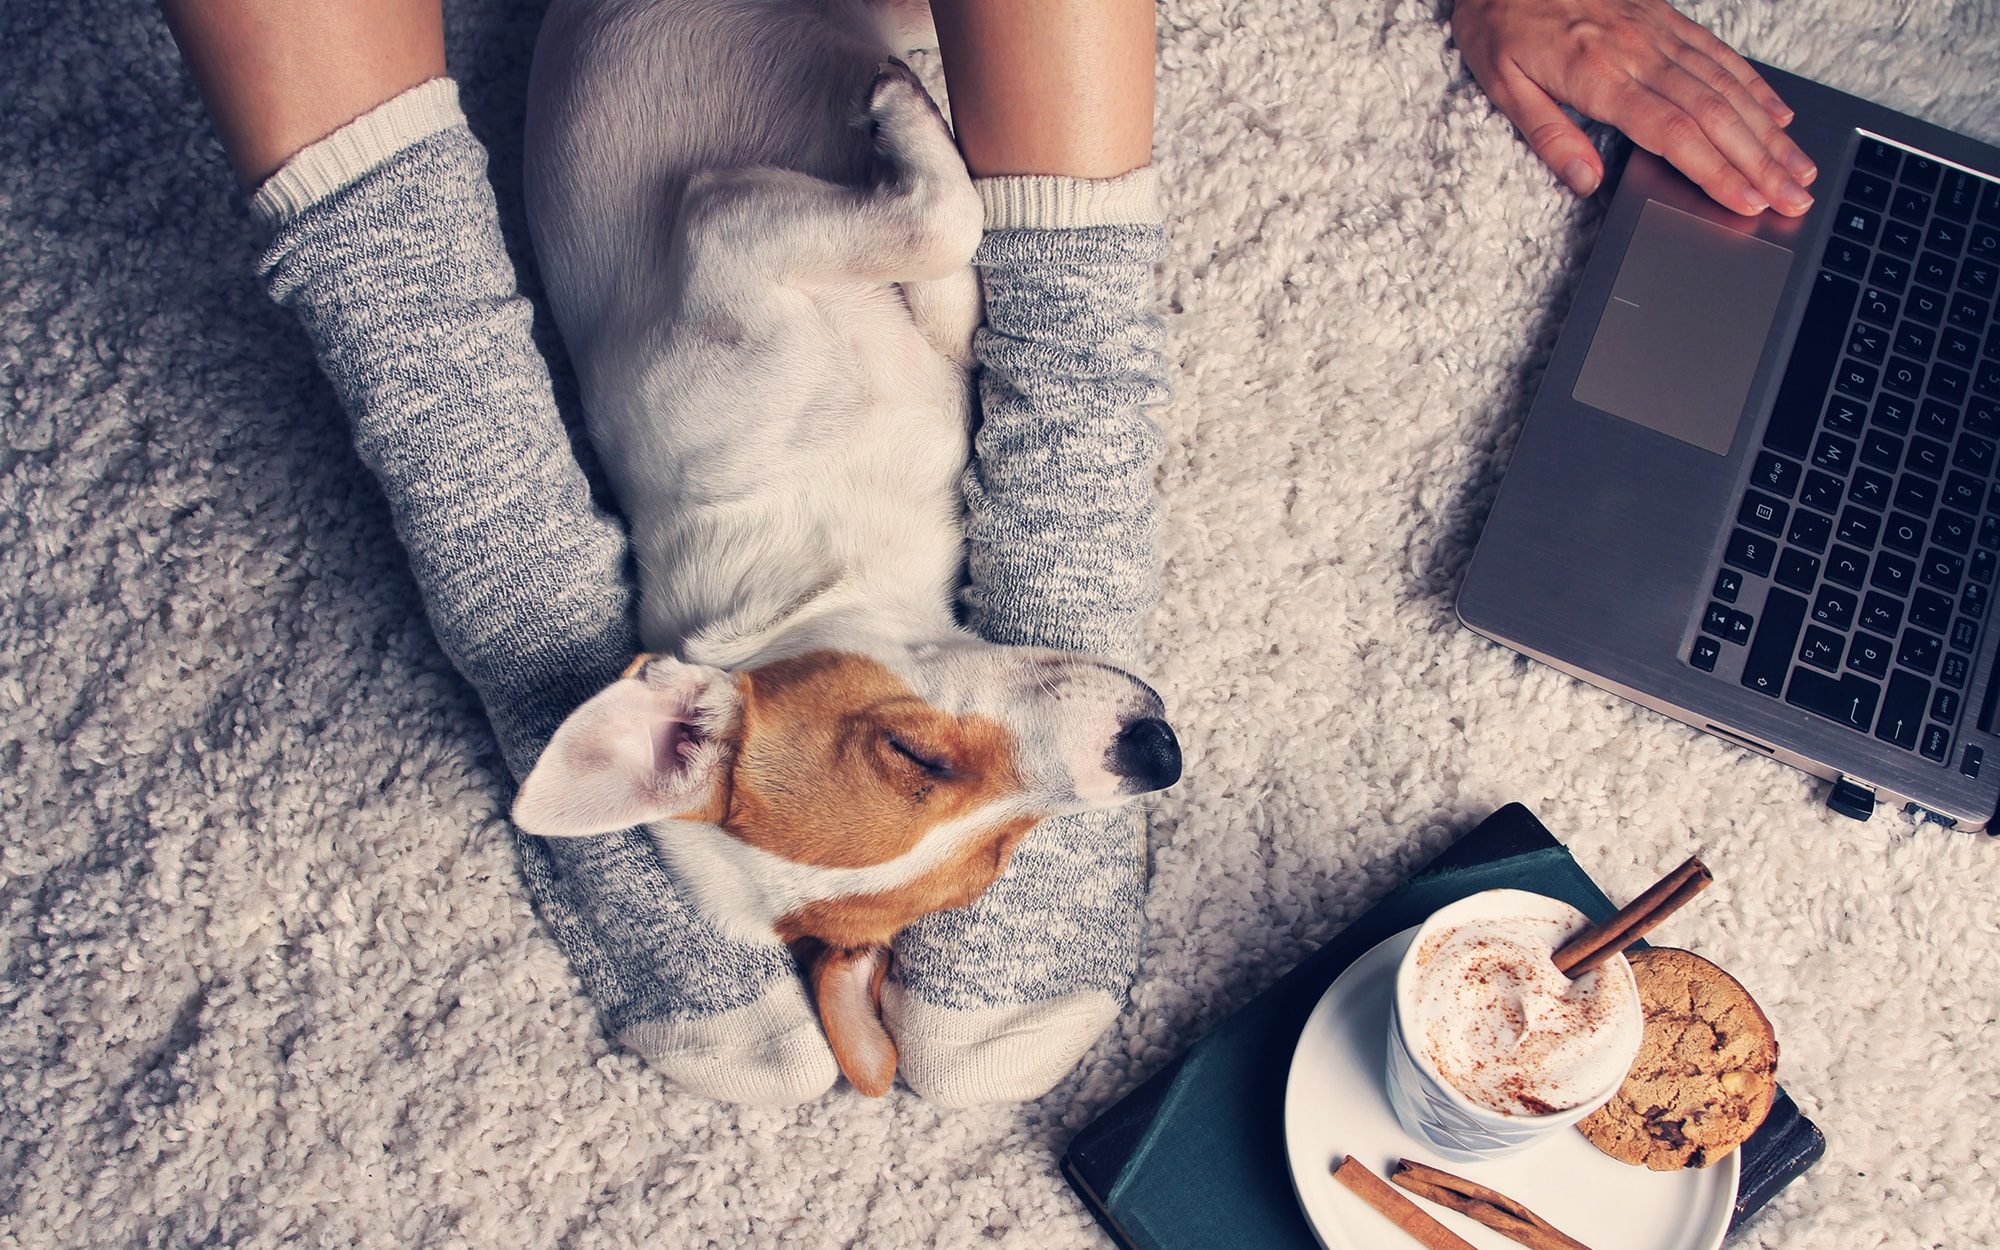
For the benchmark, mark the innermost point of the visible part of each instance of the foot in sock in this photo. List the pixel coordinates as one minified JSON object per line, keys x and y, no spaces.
{"x":386,"y":245}
{"x":997,"y":1001}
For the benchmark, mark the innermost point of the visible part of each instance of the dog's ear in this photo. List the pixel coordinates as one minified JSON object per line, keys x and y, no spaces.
{"x":654,"y":744}
{"x":847,"y":985}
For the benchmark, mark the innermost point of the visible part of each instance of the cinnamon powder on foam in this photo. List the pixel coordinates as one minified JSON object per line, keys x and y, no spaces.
{"x":1510,"y":1031}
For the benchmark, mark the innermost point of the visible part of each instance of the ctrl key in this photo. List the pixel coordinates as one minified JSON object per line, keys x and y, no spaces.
{"x":1706,"y":651}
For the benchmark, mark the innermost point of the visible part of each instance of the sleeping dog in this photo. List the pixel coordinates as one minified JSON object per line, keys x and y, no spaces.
{"x":756,"y":236}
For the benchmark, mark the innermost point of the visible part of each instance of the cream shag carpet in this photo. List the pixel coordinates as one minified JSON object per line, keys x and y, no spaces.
{"x":269,"y":977}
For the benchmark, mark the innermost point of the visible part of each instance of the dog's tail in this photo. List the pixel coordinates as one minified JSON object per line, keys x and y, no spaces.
{"x":847,"y":985}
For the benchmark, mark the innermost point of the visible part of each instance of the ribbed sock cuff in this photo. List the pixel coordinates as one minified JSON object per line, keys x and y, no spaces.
{"x":1042,"y":202}
{"x":344,"y":156}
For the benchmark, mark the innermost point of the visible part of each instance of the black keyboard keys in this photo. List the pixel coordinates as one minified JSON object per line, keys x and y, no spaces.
{"x":1834,"y":607}
{"x":1751,"y":552}
{"x":1797,"y":410}
{"x":1770,"y":655}
{"x":1903,"y":710}
{"x":1727,"y":624}
{"x":1797,"y":570}
{"x":1822,"y":649}
{"x":1848,"y":699}
{"x":1919,"y":651}
{"x":1868,"y":654}
{"x":1846,"y":566}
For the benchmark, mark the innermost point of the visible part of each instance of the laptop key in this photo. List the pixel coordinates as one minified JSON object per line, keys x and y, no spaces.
{"x":1848,"y":567}
{"x":1958,"y":196}
{"x":1878,"y":157}
{"x":1986,"y":380}
{"x":1893,"y":413}
{"x":1972,"y":600}
{"x":1834,"y":453}
{"x":1770,"y":654}
{"x":1953,"y":530}
{"x":1869,"y":654}
{"x":1728,"y":585}
{"x":1980,"y":566}
{"x":1920,"y":172}
{"x":1949,"y":383}
{"x":1914,"y":495}
{"x":1927,"y":456}
{"x":1989,"y":202}
{"x":1989,"y":532}
{"x":1944,"y":705}
{"x":1935,"y":269}
{"x":1705,"y":653}
{"x":1964,"y":634}
{"x":1944,"y":236}
{"x":1846,"y":256}
{"x":1985,"y":241}
{"x":1982,"y":416}
{"x":1909,"y":204}
{"x":1822,"y":491}
{"x":1880,"y":306}
{"x":1866,"y":189}
{"x":1822,"y":649}
{"x":1920,"y":651}
{"x":1857,"y":378}
{"x":1795,"y":415}
{"x":1925,"y":305}
{"x":1904,"y":376}
{"x":1956,"y":669}
{"x":1797,"y":570}
{"x":1870,"y":489}
{"x":1859,"y":528}
{"x":1762,"y":512}
{"x":1942,"y":570}
{"x":1980,"y":277}
{"x":1849,"y":700}
{"x":1844,"y":415}
{"x":1963,"y":491}
{"x":1969,"y":312}
{"x":1938,"y":420}
{"x":1935,"y":744}
{"x":1856,"y":222}
{"x":1809,"y":530}
{"x":1881,"y":449}
{"x":1914,"y":340}
{"x":1891,"y":273}
{"x":1751,"y":552}
{"x":1894,"y":574}
{"x":1901,"y":238}
{"x":1903,"y":532}
{"x":1868,"y":342}
{"x":1834,"y":607}
{"x":1881,"y":613}
{"x":1930,"y":610}
{"x":1903,"y":710}
{"x":1776,"y":474}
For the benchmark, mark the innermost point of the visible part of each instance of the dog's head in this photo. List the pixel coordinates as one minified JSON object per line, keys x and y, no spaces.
{"x":834,"y":797}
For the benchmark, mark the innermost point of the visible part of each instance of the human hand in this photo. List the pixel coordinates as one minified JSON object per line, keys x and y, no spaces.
{"x":1671,"y":86}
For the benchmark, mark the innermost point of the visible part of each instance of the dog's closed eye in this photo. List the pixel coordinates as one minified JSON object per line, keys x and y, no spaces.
{"x":929,"y":760}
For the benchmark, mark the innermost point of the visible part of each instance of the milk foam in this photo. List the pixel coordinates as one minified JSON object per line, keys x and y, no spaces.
{"x":1512,"y":1033}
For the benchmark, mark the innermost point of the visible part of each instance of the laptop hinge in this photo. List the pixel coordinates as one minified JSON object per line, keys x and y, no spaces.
{"x":1850,"y":799}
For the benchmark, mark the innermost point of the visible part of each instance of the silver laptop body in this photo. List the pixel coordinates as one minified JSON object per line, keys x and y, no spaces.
{"x":1755,"y":487}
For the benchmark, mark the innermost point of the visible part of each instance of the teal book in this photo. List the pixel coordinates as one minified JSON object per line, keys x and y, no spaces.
{"x":1194,"y":1159}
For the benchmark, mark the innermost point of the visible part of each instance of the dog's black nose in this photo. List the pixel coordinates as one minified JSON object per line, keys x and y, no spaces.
{"x":1146,"y":755}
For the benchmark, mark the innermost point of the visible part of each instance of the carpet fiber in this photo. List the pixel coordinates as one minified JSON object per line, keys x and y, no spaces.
{"x":269,"y":976}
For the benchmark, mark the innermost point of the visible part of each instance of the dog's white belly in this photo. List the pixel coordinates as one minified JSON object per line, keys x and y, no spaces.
{"x":819,"y":458}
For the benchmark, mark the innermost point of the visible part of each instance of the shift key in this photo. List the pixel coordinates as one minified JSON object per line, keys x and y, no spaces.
{"x":1849,"y":699}
{"x":1777,"y":638}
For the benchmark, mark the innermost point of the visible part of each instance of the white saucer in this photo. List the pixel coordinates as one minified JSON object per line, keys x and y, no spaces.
{"x":1335,"y":1106}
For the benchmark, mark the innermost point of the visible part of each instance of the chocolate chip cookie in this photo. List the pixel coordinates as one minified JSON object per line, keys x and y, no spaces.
{"x":1706,"y":1071}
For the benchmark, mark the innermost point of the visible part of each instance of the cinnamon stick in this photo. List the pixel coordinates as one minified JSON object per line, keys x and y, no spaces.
{"x":1490,"y":1207}
{"x":1584,"y":952}
{"x":1403,"y":1213}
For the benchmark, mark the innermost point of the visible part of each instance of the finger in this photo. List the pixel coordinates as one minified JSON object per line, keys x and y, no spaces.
{"x":1754,"y":115}
{"x":1706,"y":41}
{"x":1726,"y":132}
{"x":1549,"y":131}
{"x":1663,"y":128}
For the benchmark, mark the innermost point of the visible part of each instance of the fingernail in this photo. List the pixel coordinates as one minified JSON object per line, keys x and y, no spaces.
{"x":1794,"y":198}
{"x":1802,"y":168}
{"x":1756,"y":202}
{"x":1581,"y":177}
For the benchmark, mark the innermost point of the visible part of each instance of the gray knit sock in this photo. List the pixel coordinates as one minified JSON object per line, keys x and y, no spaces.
{"x":388,"y":248}
{"x":996,"y":1001}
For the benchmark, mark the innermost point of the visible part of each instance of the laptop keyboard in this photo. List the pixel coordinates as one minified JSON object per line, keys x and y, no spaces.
{"x":1859,"y":573}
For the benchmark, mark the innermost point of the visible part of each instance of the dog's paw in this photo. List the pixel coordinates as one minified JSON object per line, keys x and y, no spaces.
{"x":905,"y":121}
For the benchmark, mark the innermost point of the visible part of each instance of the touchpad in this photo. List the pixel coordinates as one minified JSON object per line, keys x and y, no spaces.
{"x":1688,"y":319}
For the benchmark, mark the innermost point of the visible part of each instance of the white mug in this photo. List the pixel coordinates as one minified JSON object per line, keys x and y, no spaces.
{"x":1428,"y":1106}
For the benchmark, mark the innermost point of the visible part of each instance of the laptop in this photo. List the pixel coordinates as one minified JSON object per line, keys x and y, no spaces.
{"x":1759,"y":489}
